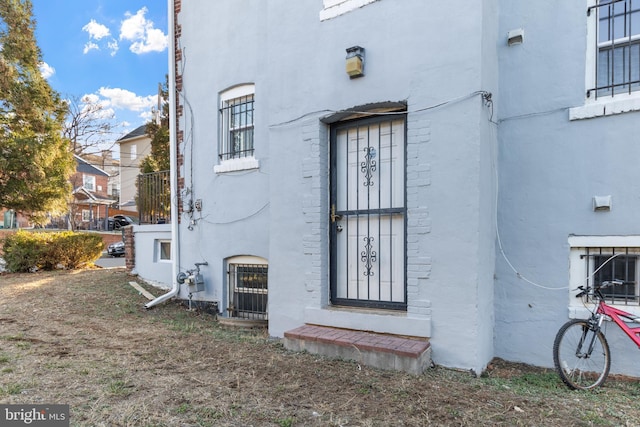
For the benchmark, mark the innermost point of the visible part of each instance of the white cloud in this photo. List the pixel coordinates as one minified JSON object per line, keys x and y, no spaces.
{"x":46,"y":70}
{"x":113,"y":47}
{"x":96,"y":31}
{"x":96,"y":108}
{"x":133,"y":27}
{"x":89,"y":46}
{"x":147,"y":116}
{"x":127,"y":100}
{"x":141,"y":32}
{"x":90,"y":98}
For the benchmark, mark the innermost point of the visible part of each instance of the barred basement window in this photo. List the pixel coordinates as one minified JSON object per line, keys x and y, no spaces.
{"x":236,"y":118}
{"x":248,"y":291}
{"x":614,"y":264}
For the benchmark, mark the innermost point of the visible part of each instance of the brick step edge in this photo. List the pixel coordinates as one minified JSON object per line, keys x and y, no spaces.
{"x":361,"y":340}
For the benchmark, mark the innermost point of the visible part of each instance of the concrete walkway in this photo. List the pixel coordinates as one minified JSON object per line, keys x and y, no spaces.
{"x":107,"y":261}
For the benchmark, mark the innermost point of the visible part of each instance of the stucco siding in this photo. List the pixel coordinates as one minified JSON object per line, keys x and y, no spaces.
{"x":148,"y":263}
{"x":550,"y":170}
{"x":433,"y":61}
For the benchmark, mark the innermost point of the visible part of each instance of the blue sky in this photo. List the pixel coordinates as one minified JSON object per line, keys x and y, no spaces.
{"x":112,"y":52}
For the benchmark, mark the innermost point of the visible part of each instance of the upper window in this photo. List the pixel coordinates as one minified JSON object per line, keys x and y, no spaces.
{"x":134,"y":152}
{"x":613,"y":59}
{"x":89,"y":182}
{"x":616,"y":56}
{"x":236,"y":118}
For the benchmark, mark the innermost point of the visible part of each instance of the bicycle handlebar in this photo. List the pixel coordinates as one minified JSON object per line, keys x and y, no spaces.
{"x":585,"y":290}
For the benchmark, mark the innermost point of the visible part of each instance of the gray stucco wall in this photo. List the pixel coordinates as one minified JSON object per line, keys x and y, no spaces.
{"x":550,"y":169}
{"x":148,"y":263}
{"x":516,"y":162}
{"x":280,"y":211}
{"x":235,"y":206}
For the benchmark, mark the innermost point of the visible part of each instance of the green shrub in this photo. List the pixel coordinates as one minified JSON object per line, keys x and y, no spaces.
{"x":22,"y":251}
{"x":25,"y":251}
{"x":74,"y":250}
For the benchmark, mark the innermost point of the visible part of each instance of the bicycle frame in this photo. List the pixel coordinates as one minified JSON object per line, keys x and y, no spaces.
{"x":616,"y":315}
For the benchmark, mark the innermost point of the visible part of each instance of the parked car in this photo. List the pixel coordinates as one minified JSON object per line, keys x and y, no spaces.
{"x":119,"y":221}
{"x":116,"y":249}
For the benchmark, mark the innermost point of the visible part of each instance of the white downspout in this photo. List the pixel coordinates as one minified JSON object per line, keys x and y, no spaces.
{"x":173,"y":159}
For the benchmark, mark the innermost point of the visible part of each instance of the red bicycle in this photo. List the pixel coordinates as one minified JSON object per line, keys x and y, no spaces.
{"x":580,"y":351}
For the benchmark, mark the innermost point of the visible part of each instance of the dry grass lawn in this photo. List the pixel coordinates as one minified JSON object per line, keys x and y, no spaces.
{"x":83,"y":338}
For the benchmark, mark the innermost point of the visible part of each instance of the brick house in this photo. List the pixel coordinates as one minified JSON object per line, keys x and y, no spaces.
{"x":91,"y":201}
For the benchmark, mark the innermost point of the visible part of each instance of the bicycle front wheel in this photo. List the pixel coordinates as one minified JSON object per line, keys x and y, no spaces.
{"x":581,"y":355}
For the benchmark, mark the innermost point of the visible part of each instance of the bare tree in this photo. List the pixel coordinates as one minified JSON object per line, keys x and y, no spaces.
{"x":90,"y":125}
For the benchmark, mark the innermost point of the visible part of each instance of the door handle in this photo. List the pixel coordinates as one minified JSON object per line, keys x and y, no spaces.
{"x":334,"y":217}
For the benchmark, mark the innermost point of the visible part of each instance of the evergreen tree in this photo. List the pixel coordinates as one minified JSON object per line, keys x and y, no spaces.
{"x":158,"y":131}
{"x":35,"y":161}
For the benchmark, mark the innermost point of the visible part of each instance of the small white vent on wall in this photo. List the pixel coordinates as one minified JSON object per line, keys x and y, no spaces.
{"x":601,"y":203}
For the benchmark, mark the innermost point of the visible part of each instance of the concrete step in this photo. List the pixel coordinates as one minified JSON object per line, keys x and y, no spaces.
{"x":408,"y":354}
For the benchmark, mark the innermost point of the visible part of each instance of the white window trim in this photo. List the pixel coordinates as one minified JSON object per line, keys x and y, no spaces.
{"x":242,"y":163}
{"x":89,"y":182}
{"x":247,"y":259}
{"x":243,"y":260}
{"x":603,"y":106}
{"x":578,"y":273}
{"x":159,"y":258}
{"x":609,"y":106}
{"x":237,"y":92}
{"x":333,"y":8}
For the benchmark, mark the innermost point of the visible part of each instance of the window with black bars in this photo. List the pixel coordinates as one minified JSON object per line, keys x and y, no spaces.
{"x":248,"y":291}
{"x":614,"y":264}
{"x":237,"y":128}
{"x":617,"y":50}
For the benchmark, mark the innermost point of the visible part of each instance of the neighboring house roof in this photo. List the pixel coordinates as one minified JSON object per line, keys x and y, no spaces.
{"x":85,"y":167}
{"x":82,"y":194}
{"x":136,"y":133}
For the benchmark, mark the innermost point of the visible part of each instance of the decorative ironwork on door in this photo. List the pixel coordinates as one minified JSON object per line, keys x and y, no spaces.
{"x":368,"y":213}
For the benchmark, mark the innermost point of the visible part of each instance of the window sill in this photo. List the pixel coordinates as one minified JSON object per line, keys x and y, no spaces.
{"x":606,"y":107}
{"x":333,"y":8}
{"x":233,"y":165}
{"x":582,"y":312}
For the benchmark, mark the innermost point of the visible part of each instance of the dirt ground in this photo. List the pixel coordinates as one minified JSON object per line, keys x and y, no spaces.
{"x":83,"y":338}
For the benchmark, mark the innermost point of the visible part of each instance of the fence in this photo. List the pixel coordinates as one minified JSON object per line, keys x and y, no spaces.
{"x":154,"y":198}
